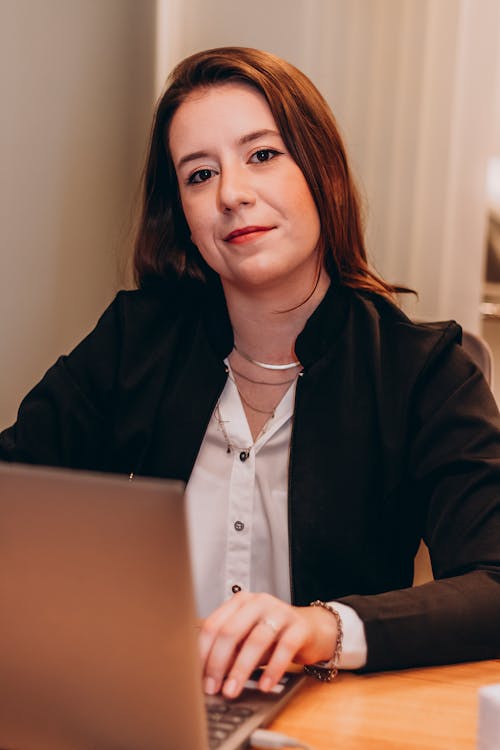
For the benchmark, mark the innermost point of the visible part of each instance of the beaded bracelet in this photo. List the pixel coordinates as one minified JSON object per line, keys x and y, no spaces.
{"x":327,"y":671}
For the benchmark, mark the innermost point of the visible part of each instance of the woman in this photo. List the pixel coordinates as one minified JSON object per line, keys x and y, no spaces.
{"x":321,"y":433}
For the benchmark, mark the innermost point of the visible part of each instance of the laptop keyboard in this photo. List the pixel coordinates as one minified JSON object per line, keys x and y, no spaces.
{"x":225,"y":717}
{"x":223,"y":720}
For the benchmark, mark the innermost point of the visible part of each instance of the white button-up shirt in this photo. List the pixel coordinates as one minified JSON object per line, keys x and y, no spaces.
{"x":238,"y":514}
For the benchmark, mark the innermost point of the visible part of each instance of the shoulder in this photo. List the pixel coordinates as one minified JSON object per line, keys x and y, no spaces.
{"x":398,"y":338}
{"x":151,"y":312}
{"x":165,"y":299}
{"x":419,"y":368}
{"x":368,"y":330}
{"x":425,"y":361}
{"x":139,"y":323}
{"x":406,"y":357}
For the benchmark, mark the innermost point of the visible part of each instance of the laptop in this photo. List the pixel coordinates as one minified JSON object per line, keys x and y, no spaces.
{"x":98,"y":631}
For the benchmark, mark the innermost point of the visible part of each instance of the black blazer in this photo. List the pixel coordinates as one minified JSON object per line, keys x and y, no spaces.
{"x":395,"y":438}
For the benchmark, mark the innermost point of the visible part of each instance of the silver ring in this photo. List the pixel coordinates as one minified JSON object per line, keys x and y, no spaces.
{"x":271,"y":624}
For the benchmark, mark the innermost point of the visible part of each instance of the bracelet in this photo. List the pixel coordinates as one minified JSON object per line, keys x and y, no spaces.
{"x":329,"y":671}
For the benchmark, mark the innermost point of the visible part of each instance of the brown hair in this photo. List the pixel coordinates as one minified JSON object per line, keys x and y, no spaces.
{"x":311,"y":135}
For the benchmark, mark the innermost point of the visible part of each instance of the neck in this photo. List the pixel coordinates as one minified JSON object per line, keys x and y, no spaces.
{"x":266,"y":325}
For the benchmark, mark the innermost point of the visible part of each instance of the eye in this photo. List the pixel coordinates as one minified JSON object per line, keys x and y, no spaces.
{"x":264,"y":154}
{"x":202,"y":175}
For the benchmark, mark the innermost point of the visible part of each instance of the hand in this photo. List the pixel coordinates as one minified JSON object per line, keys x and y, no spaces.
{"x":249,"y":630}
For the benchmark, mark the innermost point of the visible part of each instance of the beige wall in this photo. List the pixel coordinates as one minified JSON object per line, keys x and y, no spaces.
{"x":412,"y":83}
{"x":77,"y":88}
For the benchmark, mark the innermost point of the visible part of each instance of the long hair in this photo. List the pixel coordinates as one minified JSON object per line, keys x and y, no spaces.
{"x":311,"y":135}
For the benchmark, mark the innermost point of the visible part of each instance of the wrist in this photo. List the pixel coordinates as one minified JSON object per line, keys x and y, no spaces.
{"x":326,"y":629}
{"x":326,"y":668}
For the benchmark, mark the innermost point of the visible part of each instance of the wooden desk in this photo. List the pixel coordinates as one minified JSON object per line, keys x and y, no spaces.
{"x":433,"y":709}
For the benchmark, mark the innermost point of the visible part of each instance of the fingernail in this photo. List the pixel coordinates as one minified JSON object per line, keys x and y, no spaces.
{"x":230,"y":687}
{"x":210,"y":686}
{"x":265,"y":684}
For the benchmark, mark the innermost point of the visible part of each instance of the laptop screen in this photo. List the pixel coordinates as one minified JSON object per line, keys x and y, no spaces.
{"x":98,"y":631}
{"x":97,"y":626}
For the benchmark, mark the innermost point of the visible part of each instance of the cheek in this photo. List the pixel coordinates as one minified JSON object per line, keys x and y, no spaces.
{"x":191,"y":218}
{"x":300,"y":200}
{"x":314,"y":221}
{"x":186,"y":209}
{"x":198,"y":220}
{"x":201,"y":235}
{"x":201,"y":238}
{"x":306,"y":210}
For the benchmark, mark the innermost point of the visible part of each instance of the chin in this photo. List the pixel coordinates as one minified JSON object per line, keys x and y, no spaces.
{"x":258,"y":274}
{"x":268,"y":282}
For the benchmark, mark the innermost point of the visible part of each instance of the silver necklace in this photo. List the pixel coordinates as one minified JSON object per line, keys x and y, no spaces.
{"x":264,"y":382}
{"x":266,"y":365}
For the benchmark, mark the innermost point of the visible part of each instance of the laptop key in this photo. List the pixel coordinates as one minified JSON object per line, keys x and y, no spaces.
{"x":214,"y":743}
{"x":216,"y":718}
{"x":231,"y":719}
{"x":227,"y":727}
{"x":218,"y":734}
{"x":216,"y":737}
{"x":242,"y":711}
{"x":218,"y":707}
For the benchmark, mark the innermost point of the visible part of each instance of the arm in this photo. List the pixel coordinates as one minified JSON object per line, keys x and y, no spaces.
{"x":452,"y":469}
{"x":454,"y":465}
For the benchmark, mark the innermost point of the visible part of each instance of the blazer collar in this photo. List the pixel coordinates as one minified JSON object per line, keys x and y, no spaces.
{"x":320,"y":331}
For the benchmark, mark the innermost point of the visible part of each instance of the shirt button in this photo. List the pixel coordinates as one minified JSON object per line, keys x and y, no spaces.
{"x":244,"y":455}
{"x":239,"y":525}
{"x":235,"y":588}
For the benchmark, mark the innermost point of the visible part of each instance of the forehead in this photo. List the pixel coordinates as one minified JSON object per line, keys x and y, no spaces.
{"x":216,"y":115}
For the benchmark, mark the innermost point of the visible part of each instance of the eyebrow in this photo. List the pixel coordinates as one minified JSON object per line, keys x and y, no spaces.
{"x":248,"y":138}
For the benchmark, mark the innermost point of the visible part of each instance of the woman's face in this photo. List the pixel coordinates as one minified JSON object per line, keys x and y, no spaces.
{"x":247,"y":203}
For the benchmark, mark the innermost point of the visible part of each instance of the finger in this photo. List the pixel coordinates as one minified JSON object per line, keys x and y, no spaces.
{"x":232,"y":635}
{"x":259,"y":643}
{"x":291,"y":641}
{"x":226,"y":640}
{"x":215,"y":621}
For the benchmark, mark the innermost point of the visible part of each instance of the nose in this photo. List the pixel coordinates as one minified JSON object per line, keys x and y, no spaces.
{"x":235,"y":188}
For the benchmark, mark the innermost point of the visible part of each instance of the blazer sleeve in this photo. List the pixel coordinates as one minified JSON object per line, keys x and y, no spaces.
{"x":454,"y":468}
{"x":66,"y":420}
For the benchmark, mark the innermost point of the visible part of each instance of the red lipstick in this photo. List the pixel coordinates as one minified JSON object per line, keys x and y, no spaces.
{"x":246,"y":234}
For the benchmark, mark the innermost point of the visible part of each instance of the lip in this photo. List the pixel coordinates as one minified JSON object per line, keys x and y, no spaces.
{"x":246,"y":233}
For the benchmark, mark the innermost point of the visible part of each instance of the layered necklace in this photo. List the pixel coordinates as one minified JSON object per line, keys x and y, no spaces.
{"x":230,"y":447}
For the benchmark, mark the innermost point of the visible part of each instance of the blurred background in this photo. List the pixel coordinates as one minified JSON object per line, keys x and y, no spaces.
{"x":415,"y":87}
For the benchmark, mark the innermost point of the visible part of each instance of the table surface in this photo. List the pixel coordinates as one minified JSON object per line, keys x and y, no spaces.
{"x":433,"y":708}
